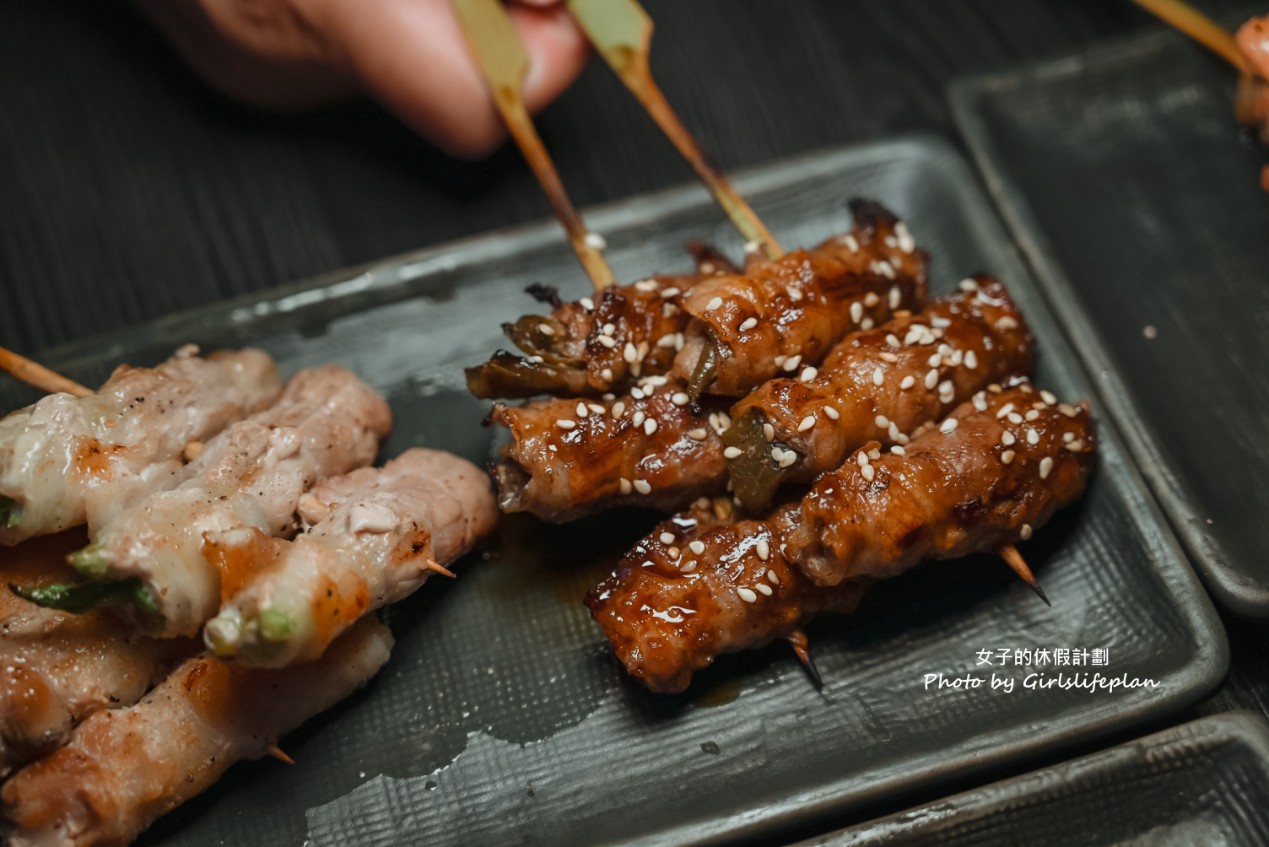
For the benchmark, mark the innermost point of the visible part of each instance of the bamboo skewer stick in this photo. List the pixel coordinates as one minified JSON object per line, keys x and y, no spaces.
{"x":503,"y":62}
{"x":1014,"y":559}
{"x":622,"y":33}
{"x":34,"y":374}
{"x":1198,"y":26}
{"x":802,"y":649}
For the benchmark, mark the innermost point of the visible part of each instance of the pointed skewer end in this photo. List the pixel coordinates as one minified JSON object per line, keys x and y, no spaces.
{"x":278,"y":753}
{"x":1014,"y":559}
{"x":802,"y":649}
{"x":437,"y":567}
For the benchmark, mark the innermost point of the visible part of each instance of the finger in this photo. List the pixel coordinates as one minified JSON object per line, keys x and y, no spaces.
{"x":413,"y":57}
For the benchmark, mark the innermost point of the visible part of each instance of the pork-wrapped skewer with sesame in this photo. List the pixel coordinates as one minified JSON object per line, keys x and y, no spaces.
{"x":651,"y":447}
{"x":783,"y":314}
{"x":986,"y":477}
{"x":698,"y":587}
{"x":150,"y":561}
{"x":376,"y":535}
{"x":879,"y":384}
{"x":66,"y":460}
{"x":720,"y":332}
{"x":56,"y":668}
{"x":995,"y":469}
{"x":124,"y":768}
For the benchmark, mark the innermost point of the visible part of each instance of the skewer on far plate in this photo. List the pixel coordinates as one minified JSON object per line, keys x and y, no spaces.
{"x":1198,"y":26}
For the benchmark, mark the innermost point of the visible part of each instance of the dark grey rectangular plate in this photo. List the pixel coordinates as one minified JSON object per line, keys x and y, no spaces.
{"x":503,"y":719}
{"x":1137,"y":200}
{"x":1205,"y":782}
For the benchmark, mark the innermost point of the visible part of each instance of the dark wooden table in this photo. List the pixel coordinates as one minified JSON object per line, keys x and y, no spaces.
{"x":128,"y":191}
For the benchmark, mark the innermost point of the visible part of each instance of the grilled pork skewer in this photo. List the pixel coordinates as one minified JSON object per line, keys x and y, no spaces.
{"x":995,"y":469}
{"x":695,"y":588}
{"x":56,"y":668}
{"x":376,"y":536}
{"x":882,"y":384}
{"x":66,"y":460}
{"x":649,"y":448}
{"x":747,"y":323}
{"x":125,"y":768}
{"x":150,"y":560}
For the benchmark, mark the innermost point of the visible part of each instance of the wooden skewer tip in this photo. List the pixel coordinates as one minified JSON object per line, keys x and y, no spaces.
{"x":437,"y":567}
{"x":802,"y":649}
{"x":1014,"y":559}
{"x":278,"y":753}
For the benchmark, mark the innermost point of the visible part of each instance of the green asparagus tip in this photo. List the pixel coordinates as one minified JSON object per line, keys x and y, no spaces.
{"x":10,"y":512}
{"x":275,"y":625}
{"x":82,"y":597}
{"x":90,"y":561}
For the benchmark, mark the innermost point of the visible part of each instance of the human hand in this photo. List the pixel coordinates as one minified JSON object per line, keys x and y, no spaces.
{"x":410,"y":55}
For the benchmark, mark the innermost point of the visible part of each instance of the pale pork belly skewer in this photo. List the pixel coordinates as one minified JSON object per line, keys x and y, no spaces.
{"x":66,"y":459}
{"x":990,"y":474}
{"x":376,"y":535}
{"x":150,"y":560}
{"x":881,"y":384}
{"x":124,"y":768}
{"x":56,"y":668}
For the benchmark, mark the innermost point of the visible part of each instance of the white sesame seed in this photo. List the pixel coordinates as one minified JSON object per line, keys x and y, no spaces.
{"x":565,"y":423}
{"x":1024,"y":532}
{"x":1068,"y":410}
{"x":1007,"y":438}
{"x":980,"y":402}
{"x":932,"y":378}
{"x":807,"y":423}
{"x":764,"y":589}
{"x":851,"y":243}
{"x":678,"y":341}
{"x":646,"y":285}
{"x":893,"y":340}
{"x":1004,"y":410}
{"x":1031,"y":415}
{"x":791,"y":364}
{"x":748,"y":324}
{"x":971,"y":359}
{"x":906,"y":244}
{"x":582,"y":410}
{"x":671,"y":292}
{"x":788,"y":458}
{"x":732,"y":452}
{"x":747,"y":594}
{"x":630,"y":353}
{"x":1048,"y":398}
{"x":680,"y":398}
{"x":674,"y":552}
{"x":934,"y":360}
{"x":1074,"y":446}
{"x":1046,"y":465}
{"x":898,"y":451}
{"x":768,"y":432}
{"x":862,"y":458}
{"x":667,"y":538}
{"x":968,"y":285}
{"x":1068,"y":436}
{"x":947,"y":391}
{"x":607,"y":340}
{"x":1007,"y":456}
{"x":643,"y":486}
{"x":624,"y":485}
{"x":887,"y":356}
{"x":650,"y":426}
{"x":893,"y":433}
{"x":713,"y":304}
{"x":773,"y":577}
{"x":607,"y":374}
{"x":881,"y":421}
{"x":856,"y":311}
{"x":697,"y":547}
{"x":1014,"y":418}
{"x":595,"y":241}
{"x":688,"y":567}
{"x":896,"y":297}
{"x":948,"y":426}
{"x":1006,"y":323}
{"x":808,"y":374}
{"x":908,"y":382}
{"x":697,"y":434}
{"x":618,"y":409}
{"x":587,"y":304}
{"x":763,"y":548}
{"x":871,"y":299}
{"x":878,"y":377}
{"x":795,"y":294}
{"x":831,"y":413}
{"x":608,"y":329}
{"x":546,"y":329}
{"x":869,"y":472}
{"x":753,"y":246}
{"x":1033,"y":436}
{"x":913,"y":335}
{"x":638,"y":417}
